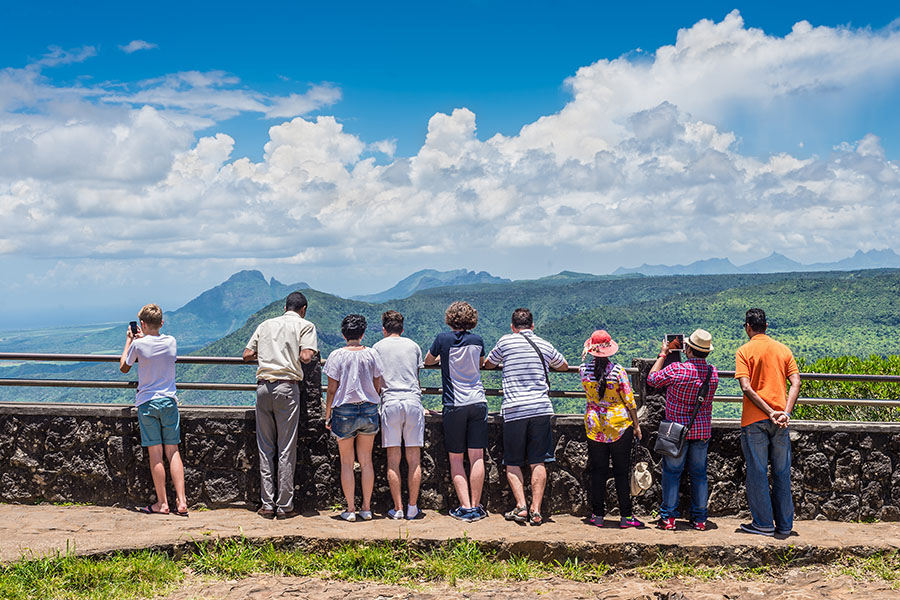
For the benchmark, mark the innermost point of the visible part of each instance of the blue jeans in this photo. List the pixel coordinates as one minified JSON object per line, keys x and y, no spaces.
{"x":766,"y":443}
{"x":694,"y":455}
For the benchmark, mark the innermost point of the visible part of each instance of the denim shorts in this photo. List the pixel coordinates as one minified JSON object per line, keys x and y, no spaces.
{"x":160,"y":422}
{"x":350,"y":420}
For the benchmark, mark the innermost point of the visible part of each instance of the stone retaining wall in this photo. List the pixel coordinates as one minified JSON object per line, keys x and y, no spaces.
{"x":92,"y":454}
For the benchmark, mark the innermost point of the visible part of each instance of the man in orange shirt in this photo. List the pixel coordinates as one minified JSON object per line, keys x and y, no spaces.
{"x":761,"y":367}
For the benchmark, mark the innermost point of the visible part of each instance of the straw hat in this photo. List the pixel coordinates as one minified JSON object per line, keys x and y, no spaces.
{"x":600,"y":344}
{"x":641,"y":478}
{"x":700,"y":341}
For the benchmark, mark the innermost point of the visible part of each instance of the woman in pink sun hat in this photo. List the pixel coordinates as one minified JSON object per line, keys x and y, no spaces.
{"x":611,"y":423}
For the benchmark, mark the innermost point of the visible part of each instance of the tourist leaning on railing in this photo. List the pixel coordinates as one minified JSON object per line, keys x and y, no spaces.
{"x":351,"y":411}
{"x":461,"y":355}
{"x":526,"y":410}
{"x":683,"y":381}
{"x":157,"y":405}
{"x":281,"y":346}
{"x":611,"y":423}
{"x":402,"y":413}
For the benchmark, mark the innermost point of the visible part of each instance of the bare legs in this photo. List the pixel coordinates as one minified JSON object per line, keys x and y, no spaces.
{"x":538,"y":484}
{"x":158,"y":473}
{"x":353,"y":450}
{"x":475,"y":480}
{"x":414,"y":478}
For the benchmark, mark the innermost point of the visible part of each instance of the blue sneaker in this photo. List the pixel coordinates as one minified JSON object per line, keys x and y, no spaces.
{"x":751,"y":528}
{"x":477,"y":513}
{"x":463,"y":514}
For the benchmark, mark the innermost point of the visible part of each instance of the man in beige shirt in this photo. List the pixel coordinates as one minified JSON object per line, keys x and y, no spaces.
{"x":279,"y":345}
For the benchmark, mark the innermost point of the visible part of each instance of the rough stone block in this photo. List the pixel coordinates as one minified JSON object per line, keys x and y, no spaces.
{"x":817,"y":472}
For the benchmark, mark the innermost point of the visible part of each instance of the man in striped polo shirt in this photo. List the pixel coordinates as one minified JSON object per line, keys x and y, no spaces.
{"x":526,"y":410}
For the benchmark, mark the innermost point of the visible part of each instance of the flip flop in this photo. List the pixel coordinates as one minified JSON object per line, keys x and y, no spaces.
{"x":148,"y":510}
{"x":182,"y":513}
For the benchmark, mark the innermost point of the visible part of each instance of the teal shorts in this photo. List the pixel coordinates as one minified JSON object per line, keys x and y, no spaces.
{"x":159,"y":422}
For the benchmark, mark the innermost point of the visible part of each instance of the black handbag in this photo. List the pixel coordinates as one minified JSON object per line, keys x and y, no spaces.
{"x":671,"y":436}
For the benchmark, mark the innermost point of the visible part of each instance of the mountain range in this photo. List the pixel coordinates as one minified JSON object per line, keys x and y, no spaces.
{"x":774,"y":263}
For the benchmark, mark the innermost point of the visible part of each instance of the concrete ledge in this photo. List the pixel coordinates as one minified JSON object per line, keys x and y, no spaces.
{"x":91,"y":530}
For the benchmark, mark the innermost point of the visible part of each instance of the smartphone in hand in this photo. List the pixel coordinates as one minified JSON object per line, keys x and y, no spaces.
{"x":134,"y":327}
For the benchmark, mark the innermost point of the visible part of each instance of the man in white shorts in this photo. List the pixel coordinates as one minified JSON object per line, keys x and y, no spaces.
{"x":402,"y":414}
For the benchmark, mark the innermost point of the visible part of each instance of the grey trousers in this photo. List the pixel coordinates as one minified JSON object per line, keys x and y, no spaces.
{"x":277,"y":417}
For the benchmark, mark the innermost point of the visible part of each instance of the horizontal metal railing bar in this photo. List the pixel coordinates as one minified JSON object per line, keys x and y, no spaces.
{"x":236,"y":360}
{"x":871,"y":402}
{"x":188,"y":359}
{"x":114,"y":358}
{"x":430,"y":391}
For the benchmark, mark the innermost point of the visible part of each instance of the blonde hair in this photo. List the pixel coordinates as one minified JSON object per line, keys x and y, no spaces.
{"x":152,"y":315}
{"x":461,"y":315}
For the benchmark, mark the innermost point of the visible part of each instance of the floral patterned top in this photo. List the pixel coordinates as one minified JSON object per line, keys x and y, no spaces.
{"x":606,"y":417}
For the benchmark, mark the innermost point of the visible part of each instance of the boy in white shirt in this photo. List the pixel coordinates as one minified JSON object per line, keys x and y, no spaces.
{"x":402,"y":413}
{"x":157,"y":405}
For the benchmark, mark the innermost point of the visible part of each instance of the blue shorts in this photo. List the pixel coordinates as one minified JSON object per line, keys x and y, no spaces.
{"x":160,"y":422}
{"x":350,"y":420}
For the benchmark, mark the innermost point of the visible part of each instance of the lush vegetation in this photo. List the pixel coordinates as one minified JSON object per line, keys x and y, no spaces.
{"x":148,"y":573}
{"x":873,"y":365}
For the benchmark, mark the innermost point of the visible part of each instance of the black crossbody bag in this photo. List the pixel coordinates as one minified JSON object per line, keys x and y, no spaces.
{"x":671,"y":436}
{"x":541,"y":356}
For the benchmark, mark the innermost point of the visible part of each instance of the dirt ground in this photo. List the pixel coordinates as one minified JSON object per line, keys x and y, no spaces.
{"x":807,"y":584}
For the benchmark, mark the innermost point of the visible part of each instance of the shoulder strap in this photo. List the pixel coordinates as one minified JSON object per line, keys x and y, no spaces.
{"x":701,"y":396}
{"x":541,"y":357}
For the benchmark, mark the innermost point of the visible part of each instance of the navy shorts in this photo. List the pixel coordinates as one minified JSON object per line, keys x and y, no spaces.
{"x":528,"y":441}
{"x":465,"y":427}
{"x":350,"y":420}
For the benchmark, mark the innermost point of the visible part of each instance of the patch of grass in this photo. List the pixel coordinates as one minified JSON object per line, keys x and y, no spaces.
{"x":883,"y":565}
{"x":678,"y":568}
{"x":139,"y":575}
{"x":574,"y":569}
{"x":147,"y":574}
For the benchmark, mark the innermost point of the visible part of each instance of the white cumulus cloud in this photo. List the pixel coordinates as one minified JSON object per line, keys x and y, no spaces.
{"x":135,"y":45}
{"x":637,"y":155}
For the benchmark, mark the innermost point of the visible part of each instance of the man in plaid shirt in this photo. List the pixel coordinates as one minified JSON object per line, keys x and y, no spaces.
{"x":683,"y":382}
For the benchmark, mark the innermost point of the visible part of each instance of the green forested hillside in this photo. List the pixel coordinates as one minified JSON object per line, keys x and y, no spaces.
{"x":818,"y":315}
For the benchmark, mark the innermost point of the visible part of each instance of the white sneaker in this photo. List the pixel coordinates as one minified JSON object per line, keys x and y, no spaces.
{"x":395,"y":514}
{"x":365,"y":515}
{"x":348,"y":516}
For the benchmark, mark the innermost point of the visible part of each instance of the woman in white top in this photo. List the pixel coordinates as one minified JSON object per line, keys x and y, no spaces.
{"x":351,"y":411}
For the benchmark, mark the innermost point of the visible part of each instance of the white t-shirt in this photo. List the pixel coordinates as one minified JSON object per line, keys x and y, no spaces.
{"x":401,"y":359}
{"x":155,"y":356}
{"x":355,"y":371}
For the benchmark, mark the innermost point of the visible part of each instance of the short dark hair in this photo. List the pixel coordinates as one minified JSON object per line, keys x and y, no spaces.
{"x":756,"y":319}
{"x":392,"y":321}
{"x":522,"y":318}
{"x":461,"y":316}
{"x":353,"y":326}
{"x":296,"y":302}
{"x":696,"y":353}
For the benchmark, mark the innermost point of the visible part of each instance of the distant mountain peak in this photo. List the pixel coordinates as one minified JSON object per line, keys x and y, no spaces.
{"x":430,"y":278}
{"x":247,"y":275}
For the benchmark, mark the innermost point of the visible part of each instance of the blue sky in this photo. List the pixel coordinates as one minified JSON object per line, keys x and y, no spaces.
{"x":115,"y":163}
{"x":397,"y":65}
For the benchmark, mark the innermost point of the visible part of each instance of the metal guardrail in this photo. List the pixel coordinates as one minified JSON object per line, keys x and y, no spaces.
{"x":249,"y":387}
